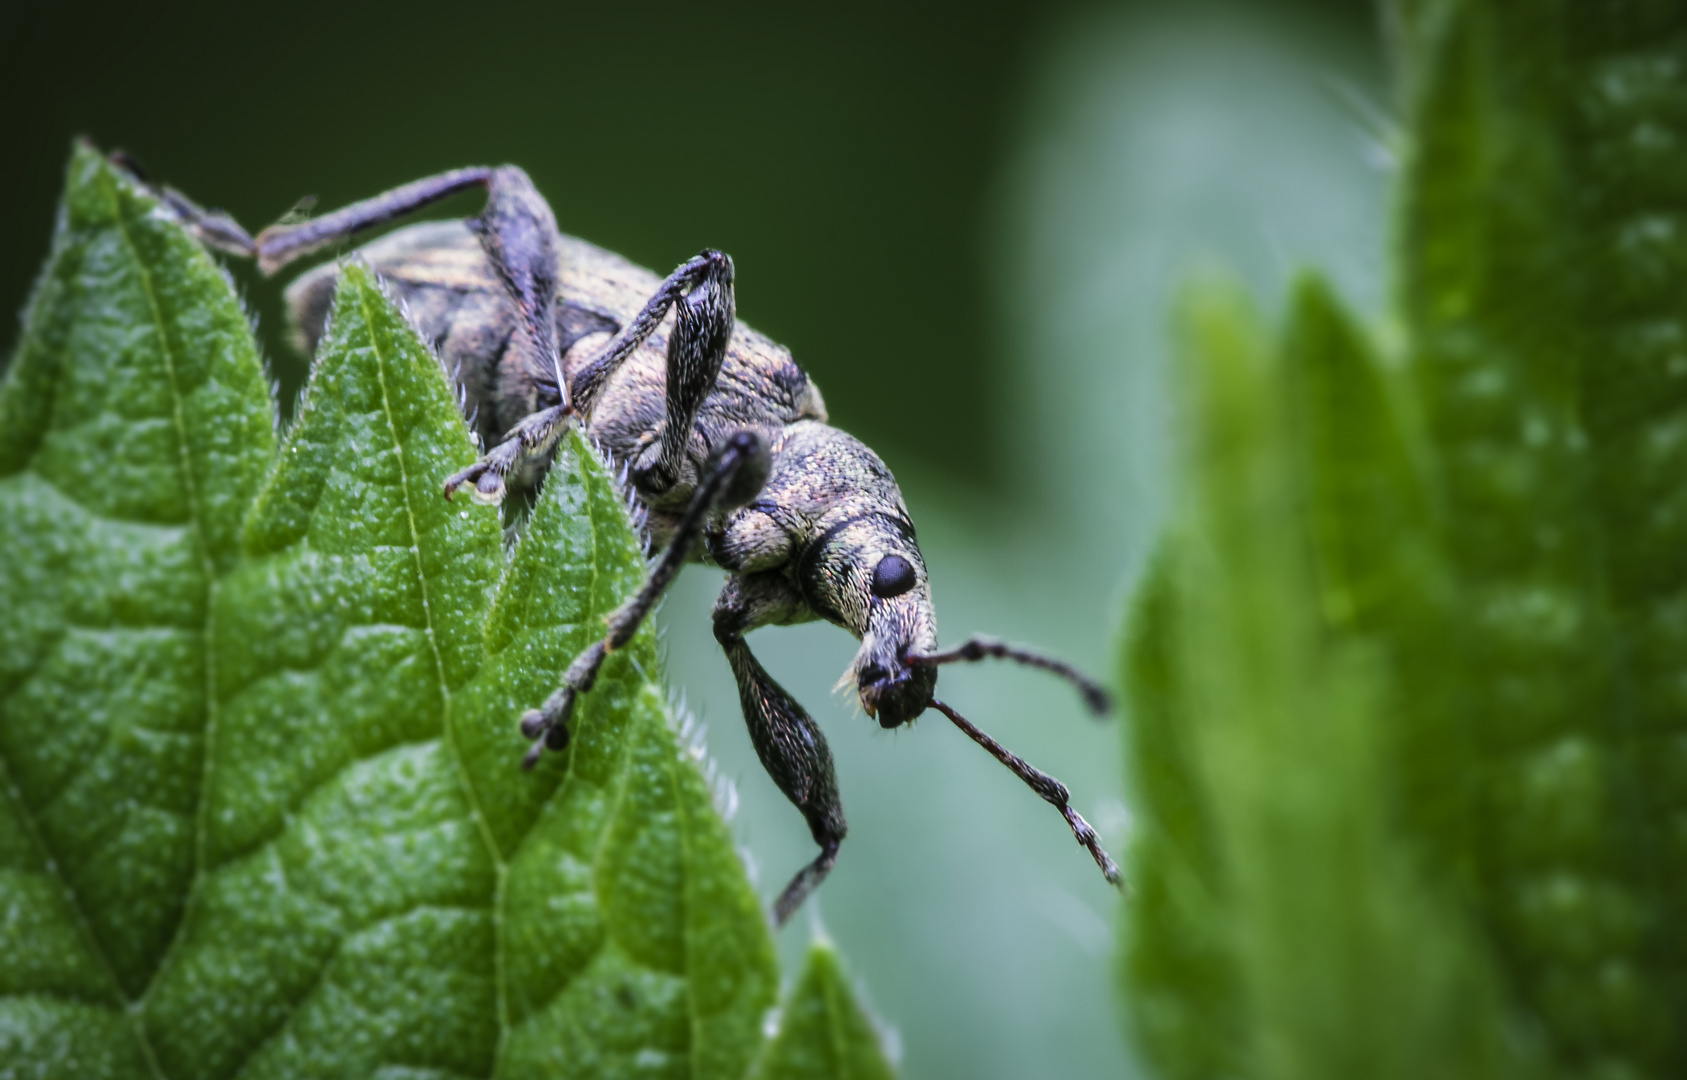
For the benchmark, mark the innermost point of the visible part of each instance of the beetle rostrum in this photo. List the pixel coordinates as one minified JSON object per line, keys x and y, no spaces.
{"x":723,"y":438}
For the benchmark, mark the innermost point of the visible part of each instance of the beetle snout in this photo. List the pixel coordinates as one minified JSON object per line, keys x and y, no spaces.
{"x":895,"y":693}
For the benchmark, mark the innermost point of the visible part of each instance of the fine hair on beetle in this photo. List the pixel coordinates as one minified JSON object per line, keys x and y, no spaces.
{"x":722,"y":439}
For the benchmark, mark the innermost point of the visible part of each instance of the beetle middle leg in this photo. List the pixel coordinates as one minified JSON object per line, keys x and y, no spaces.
{"x":700,"y":291}
{"x":734,"y":473}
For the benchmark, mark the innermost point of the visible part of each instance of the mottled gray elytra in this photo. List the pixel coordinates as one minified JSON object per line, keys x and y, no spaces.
{"x":723,"y":439}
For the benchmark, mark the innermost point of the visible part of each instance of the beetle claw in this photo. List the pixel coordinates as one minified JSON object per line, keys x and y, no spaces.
{"x":531,"y":758}
{"x":547,"y":728}
{"x":533,"y":724}
{"x":488,"y":483}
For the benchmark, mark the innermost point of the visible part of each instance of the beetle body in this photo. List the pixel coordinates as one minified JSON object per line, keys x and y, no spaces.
{"x":823,"y":482}
{"x":456,"y":302}
{"x":721,"y":437}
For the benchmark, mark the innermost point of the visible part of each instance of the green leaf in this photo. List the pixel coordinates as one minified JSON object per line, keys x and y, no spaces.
{"x":1177,"y":963}
{"x":1406,"y":695}
{"x":632,"y":941}
{"x":264,"y":814}
{"x":1544,"y":258}
{"x":136,"y":429}
{"x":823,"y":1032}
{"x":1278,"y":881}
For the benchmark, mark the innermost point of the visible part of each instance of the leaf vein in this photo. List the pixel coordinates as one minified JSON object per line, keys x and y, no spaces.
{"x":483,"y":827}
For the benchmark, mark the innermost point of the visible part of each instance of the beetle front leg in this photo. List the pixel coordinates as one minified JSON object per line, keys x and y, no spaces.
{"x":790,"y":744}
{"x":735,"y":472}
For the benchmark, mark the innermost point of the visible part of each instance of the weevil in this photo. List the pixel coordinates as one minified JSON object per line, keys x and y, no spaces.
{"x":725,"y":445}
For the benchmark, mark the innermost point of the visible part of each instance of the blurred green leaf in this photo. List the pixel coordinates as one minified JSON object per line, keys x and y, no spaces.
{"x":1408,"y":731}
{"x":1543,"y":247}
{"x":1286,"y":929}
{"x":263,"y":813}
{"x":1177,"y":963}
{"x":823,"y":1033}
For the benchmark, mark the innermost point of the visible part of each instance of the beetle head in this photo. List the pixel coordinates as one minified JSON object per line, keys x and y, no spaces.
{"x":866,"y":574}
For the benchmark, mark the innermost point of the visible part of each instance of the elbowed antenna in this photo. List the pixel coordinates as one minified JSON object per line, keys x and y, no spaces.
{"x":980,"y":646}
{"x":1052,"y":791}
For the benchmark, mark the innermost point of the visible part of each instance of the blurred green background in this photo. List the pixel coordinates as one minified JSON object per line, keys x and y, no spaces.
{"x":966,"y":221}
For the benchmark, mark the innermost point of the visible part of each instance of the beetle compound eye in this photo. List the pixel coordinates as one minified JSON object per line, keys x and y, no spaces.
{"x":893,"y":576}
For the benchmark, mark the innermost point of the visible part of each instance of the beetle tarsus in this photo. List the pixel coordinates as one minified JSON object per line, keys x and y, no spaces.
{"x":532,"y":440}
{"x":488,"y":483}
{"x":213,"y":228}
{"x":534,"y":753}
{"x":806,"y":881}
{"x":1090,"y":841}
{"x":533,"y":724}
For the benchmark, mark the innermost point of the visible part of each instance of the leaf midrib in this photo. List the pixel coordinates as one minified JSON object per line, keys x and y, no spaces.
{"x":136,"y":1007}
{"x":835,"y":1021}
{"x":447,"y":731}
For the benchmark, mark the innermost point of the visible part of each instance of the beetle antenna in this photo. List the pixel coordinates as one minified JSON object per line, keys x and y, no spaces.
{"x":1052,"y":790}
{"x":979,"y":647}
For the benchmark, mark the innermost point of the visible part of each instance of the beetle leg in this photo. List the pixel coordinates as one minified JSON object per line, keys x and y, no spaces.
{"x":213,"y":228}
{"x":696,"y":350}
{"x":708,"y":280}
{"x":735,"y":472}
{"x":535,"y":437}
{"x":702,"y":290}
{"x":518,"y":233}
{"x":516,"y":230}
{"x":279,"y":245}
{"x":788,"y":741}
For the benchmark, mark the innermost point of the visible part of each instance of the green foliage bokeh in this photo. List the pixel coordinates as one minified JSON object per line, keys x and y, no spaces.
{"x":1408,"y":723}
